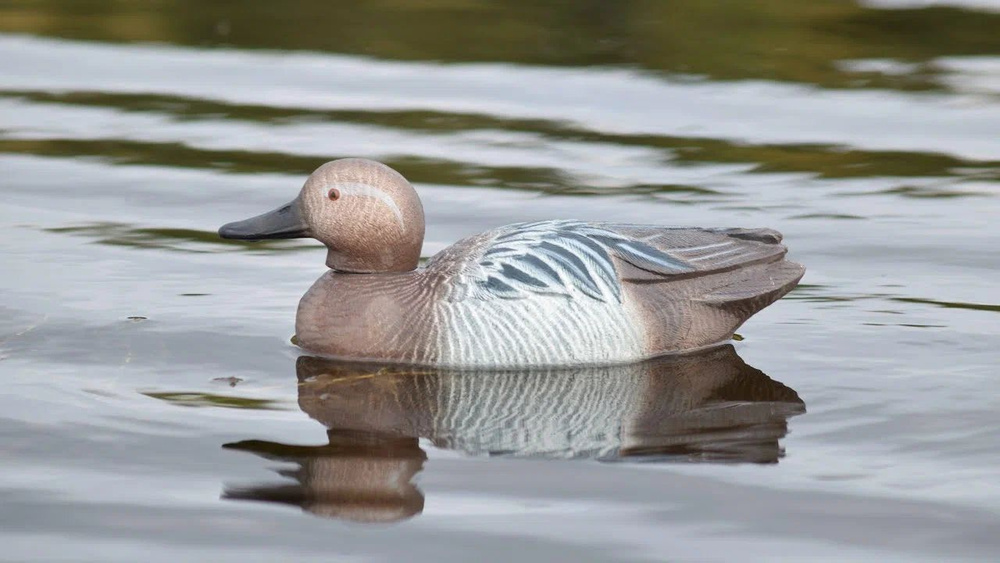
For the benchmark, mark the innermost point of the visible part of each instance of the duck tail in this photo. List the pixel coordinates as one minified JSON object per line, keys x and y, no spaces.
{"x":756,"y":287}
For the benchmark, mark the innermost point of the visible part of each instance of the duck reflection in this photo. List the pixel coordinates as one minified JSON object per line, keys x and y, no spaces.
{"x":360,"y":476}
{"x":706,"y":407}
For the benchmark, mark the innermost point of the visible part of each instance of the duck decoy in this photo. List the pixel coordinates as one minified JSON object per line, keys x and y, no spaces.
{"x":545,"y":293}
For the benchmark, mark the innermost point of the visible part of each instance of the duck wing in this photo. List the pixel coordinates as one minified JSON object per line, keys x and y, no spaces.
{"x":595,"y":259}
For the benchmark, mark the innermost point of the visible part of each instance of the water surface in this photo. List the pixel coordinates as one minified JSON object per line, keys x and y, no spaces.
{"x":153,"y":408}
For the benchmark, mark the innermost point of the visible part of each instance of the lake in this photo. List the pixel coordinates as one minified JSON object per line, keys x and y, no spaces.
{"x":154,"y":408}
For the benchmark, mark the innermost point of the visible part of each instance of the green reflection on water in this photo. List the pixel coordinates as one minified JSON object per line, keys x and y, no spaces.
{"x":951,"y":304}
{"x":923,"y":192}
{"x":417,"y":170}
{"x":191,"y":399}
{"x":785,"y":40}
{"x":173,"y":239}
{"x":804,"y":42}
{"x":818,"y":293}
{"x":821,"y":160}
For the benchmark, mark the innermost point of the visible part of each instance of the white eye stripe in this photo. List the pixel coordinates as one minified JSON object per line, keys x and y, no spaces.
{"x":365,"y":190}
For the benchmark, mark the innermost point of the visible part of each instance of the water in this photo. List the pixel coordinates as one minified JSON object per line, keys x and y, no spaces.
{"x":153,"y":408}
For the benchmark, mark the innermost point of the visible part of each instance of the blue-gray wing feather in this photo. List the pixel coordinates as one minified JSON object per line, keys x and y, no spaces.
{"x":564,"y":258}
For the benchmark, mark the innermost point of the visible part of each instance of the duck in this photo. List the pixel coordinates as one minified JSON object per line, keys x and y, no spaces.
{"x":544,"y":293}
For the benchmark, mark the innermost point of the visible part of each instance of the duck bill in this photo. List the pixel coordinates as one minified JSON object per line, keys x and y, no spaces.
{"x":284,"y":222}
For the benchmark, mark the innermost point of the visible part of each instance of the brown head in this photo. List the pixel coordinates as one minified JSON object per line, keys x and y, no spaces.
{"x":367,"y":214}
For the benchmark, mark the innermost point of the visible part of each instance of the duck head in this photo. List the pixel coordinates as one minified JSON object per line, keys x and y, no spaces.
{"x":367,"y":214}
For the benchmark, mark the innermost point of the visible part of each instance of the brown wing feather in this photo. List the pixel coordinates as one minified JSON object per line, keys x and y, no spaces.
{"x":706,"y":251}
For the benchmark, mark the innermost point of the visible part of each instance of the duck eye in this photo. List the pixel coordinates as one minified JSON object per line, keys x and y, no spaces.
{"x":333,"y":194}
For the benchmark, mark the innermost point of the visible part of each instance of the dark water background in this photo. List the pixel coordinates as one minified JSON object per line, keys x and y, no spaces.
{"x":152,"y":408}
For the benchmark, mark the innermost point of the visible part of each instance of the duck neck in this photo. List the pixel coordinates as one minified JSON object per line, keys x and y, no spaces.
{"x":371,"y":262}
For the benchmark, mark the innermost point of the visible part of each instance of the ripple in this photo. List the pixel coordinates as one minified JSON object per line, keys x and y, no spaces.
{"x":754,"y":112}
{"x":951,"y":304}
{"x":824,"y":160}
{"x":171,"y":239}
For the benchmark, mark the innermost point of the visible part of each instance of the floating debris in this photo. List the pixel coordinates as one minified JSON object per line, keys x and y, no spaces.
{"x":231,"y":380}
